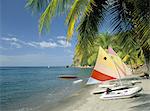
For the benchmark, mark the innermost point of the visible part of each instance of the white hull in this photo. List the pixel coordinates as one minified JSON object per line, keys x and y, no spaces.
{"x":124,"y":93}
{"x":116,"y":84}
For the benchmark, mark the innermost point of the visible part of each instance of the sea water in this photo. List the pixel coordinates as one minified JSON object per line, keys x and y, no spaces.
{"x":31,"y":88}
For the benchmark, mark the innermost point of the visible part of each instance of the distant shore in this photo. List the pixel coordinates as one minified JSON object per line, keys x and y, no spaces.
{"x":133,"y":68}
{"x":83,"y":66}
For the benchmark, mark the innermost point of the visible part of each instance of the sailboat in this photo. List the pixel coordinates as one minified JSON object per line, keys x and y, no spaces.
{"x":110,"y":67}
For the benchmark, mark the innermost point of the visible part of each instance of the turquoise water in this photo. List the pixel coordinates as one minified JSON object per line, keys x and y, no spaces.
{"x":31,"y":88}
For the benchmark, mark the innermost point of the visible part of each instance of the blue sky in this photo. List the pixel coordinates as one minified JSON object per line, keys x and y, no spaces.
{"x":20,"y":43}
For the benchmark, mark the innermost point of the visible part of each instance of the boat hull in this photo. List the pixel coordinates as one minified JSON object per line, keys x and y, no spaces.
{"x":120,"y":94}
{"x":67,"y":76}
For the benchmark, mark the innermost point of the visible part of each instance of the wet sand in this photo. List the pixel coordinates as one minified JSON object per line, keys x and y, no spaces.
{"x":85,"y":101}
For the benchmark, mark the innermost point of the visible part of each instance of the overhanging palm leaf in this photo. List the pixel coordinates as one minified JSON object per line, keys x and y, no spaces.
{"x":89,"y":24}
{"x":74,"y":12}
{"x":37,"y":5}
{"x":79,"y":8}
{"x":47,"y":15}
{"x":117,"y":10}
{"x":51,"y":8}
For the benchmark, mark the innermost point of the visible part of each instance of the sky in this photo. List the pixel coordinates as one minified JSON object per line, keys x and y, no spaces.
{"x":21,"y":44}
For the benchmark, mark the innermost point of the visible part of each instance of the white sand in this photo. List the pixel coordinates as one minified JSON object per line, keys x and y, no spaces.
{"x":84,"y":101}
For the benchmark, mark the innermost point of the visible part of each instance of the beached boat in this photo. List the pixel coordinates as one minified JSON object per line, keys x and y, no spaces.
{"x":121,"y":93}
{"x":67,"y":76}
{"x":110,"y":67}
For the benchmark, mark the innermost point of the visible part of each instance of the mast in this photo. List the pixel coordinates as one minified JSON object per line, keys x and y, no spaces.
{"x":118,"y":73}
{"x":122,"y":69}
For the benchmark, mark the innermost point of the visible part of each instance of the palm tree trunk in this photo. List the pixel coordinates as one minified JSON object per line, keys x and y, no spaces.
{"x":146,"y":53}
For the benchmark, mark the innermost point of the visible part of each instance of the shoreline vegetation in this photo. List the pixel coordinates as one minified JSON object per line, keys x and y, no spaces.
{"x":83,"y":67}
{"x":136,"y":70}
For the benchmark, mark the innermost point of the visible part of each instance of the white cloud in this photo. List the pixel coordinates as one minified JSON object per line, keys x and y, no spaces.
{"x":32,"y":44}
{"x":10,"y":39}
{"x":13,"y":39}
{"x":17,"y":45}
{"x":43,"y":44}
{"x":61,"y":37}
{"x":64,"y":43}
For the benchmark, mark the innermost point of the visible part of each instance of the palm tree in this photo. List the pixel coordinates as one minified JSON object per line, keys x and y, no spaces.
{"x":88,"y":56}
{"x":127,"y":15}
{"x":130,"y":53}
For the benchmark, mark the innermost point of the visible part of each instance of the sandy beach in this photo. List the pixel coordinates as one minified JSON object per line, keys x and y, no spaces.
{"x":85,"y":101}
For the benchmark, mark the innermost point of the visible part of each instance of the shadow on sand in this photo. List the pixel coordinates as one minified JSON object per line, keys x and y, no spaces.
{"x":142,"y":102}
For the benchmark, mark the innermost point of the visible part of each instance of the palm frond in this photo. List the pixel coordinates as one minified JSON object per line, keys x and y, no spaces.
{"x":73,"y":15}
{"x":54,"y":7}
{"x":120,"y":15}
{"x":47,"y":15}
{"x":89,"y":24}
{"x":79,"y":7}
{"x":36,"y":5}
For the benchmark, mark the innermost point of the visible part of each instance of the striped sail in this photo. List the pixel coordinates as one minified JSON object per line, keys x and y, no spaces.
{"x":108,"y":67}
{"x":122,"y":68}
{"x":104,"y":69}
